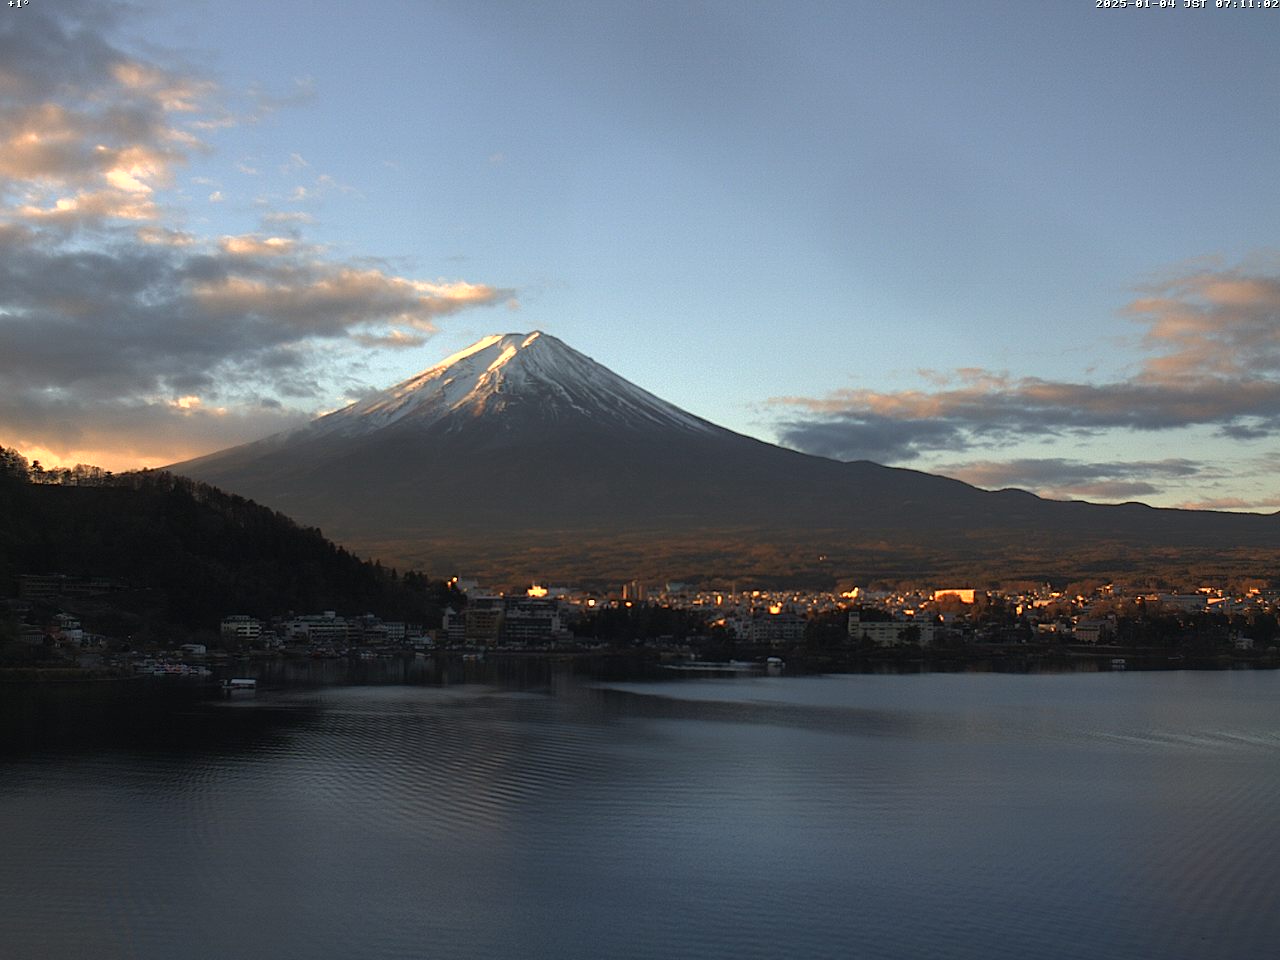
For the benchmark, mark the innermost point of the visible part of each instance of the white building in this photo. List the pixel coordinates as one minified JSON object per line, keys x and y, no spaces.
{"x":888,"y":633}
{"x":67,"y":629}
{"x":241,"y":628}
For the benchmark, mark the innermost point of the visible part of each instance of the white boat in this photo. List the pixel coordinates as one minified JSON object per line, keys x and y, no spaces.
{"x":1118,"y":663}
{"x":240,"y":683}
{"x":714,"y":666}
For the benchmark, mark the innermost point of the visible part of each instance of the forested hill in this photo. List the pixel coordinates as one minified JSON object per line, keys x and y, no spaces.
{"x":187,"y":554}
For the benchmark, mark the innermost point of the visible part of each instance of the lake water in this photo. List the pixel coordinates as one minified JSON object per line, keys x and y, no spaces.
{"x":1101,"y":815}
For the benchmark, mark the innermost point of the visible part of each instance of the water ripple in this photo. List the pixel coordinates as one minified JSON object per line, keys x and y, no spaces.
{"x":879,"y":817}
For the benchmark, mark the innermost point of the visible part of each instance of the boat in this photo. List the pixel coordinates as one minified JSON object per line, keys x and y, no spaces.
{"x":239,"y":683}
{"x":1118,"y":663}
{"x":715,"y":666}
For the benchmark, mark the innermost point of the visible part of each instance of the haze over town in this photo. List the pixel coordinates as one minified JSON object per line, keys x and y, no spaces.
{"x":1019,"y":245}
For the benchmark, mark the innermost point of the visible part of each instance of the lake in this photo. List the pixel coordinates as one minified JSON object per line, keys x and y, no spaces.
{"x":400,"y":811}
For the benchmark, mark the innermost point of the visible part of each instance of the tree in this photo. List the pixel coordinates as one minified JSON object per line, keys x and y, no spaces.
{"x":827,"y":630}
{"x":13,"y":465}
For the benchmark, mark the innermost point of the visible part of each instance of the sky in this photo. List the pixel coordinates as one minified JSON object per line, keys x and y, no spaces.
{"x":1024,"y":245}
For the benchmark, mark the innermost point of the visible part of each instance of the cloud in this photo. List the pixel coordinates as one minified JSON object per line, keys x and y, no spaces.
{"x":1062,"y":479}
{"x":869,"y":437}
{"x":120,"y":328}
{"x":129,"y":319}
{"x":396,"y":339}
{"x":87,"y":132}
{"x":122,"y":434}
{"x":1231,"y":503}
{"x":249,"y":245}
{"x":303,"y":92}
{"x":1212,"y":358}
{"x":279,"y":217}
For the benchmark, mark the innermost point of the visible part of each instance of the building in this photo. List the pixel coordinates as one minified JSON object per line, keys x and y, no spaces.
{"x":51,"y":586}
{"x":454,"y":627}
{"x":888,"y":633}
{"x":1093,"y":631}
{"x":30,"y":634}
{"x":66,"y":629}
{"x":532,"y":621}
{"x":518,"y":621}
{"x":777,"y":629}
{"x":1184,"y":602}
{"x":326,"y":628}
{"x":483,"y":620}
{"x":240,"y":629}
{"x":46,"y":587}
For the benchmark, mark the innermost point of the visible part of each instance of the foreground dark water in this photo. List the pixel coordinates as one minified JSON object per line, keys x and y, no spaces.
{"x":972,"y":815}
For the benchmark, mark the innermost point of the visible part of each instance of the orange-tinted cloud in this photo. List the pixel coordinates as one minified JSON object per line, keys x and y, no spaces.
{"x":1212,"y":342}
{"x":123,"y":330}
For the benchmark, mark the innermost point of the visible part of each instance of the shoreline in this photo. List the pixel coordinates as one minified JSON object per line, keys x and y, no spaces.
{"x":992,"y":659}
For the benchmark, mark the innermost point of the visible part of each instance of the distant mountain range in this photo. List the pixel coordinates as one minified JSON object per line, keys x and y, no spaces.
{"x":520,"y":458}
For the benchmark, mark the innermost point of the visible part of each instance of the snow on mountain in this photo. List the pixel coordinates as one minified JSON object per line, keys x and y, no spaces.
{"x":532,"y":374}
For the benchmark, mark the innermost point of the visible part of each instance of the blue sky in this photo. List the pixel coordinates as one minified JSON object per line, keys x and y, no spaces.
{"x":1025,"y":245}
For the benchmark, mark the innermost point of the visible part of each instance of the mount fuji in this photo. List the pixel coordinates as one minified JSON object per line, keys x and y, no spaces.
{"x":520,"y":457}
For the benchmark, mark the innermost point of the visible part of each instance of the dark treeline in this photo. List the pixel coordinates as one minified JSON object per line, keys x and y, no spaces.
{"x":186,"y":554}
{"x":1202,"y":631}
{"x":14,"y":465}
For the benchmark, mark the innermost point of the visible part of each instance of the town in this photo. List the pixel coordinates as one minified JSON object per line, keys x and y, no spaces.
{"x":823,"y":630}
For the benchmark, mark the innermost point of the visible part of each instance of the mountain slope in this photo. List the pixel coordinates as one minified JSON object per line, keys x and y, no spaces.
{"x":185,"y":555}
{"x":520,"y":451}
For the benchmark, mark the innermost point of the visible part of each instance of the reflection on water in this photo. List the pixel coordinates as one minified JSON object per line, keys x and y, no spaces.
{"x":397,"y":810}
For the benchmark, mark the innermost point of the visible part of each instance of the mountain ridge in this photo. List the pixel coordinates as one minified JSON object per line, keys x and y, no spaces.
{"x":182,"y":555}
{"x":519,"y":440}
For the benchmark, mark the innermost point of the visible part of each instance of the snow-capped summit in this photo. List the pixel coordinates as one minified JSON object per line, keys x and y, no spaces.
{"x":525,"y":378}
